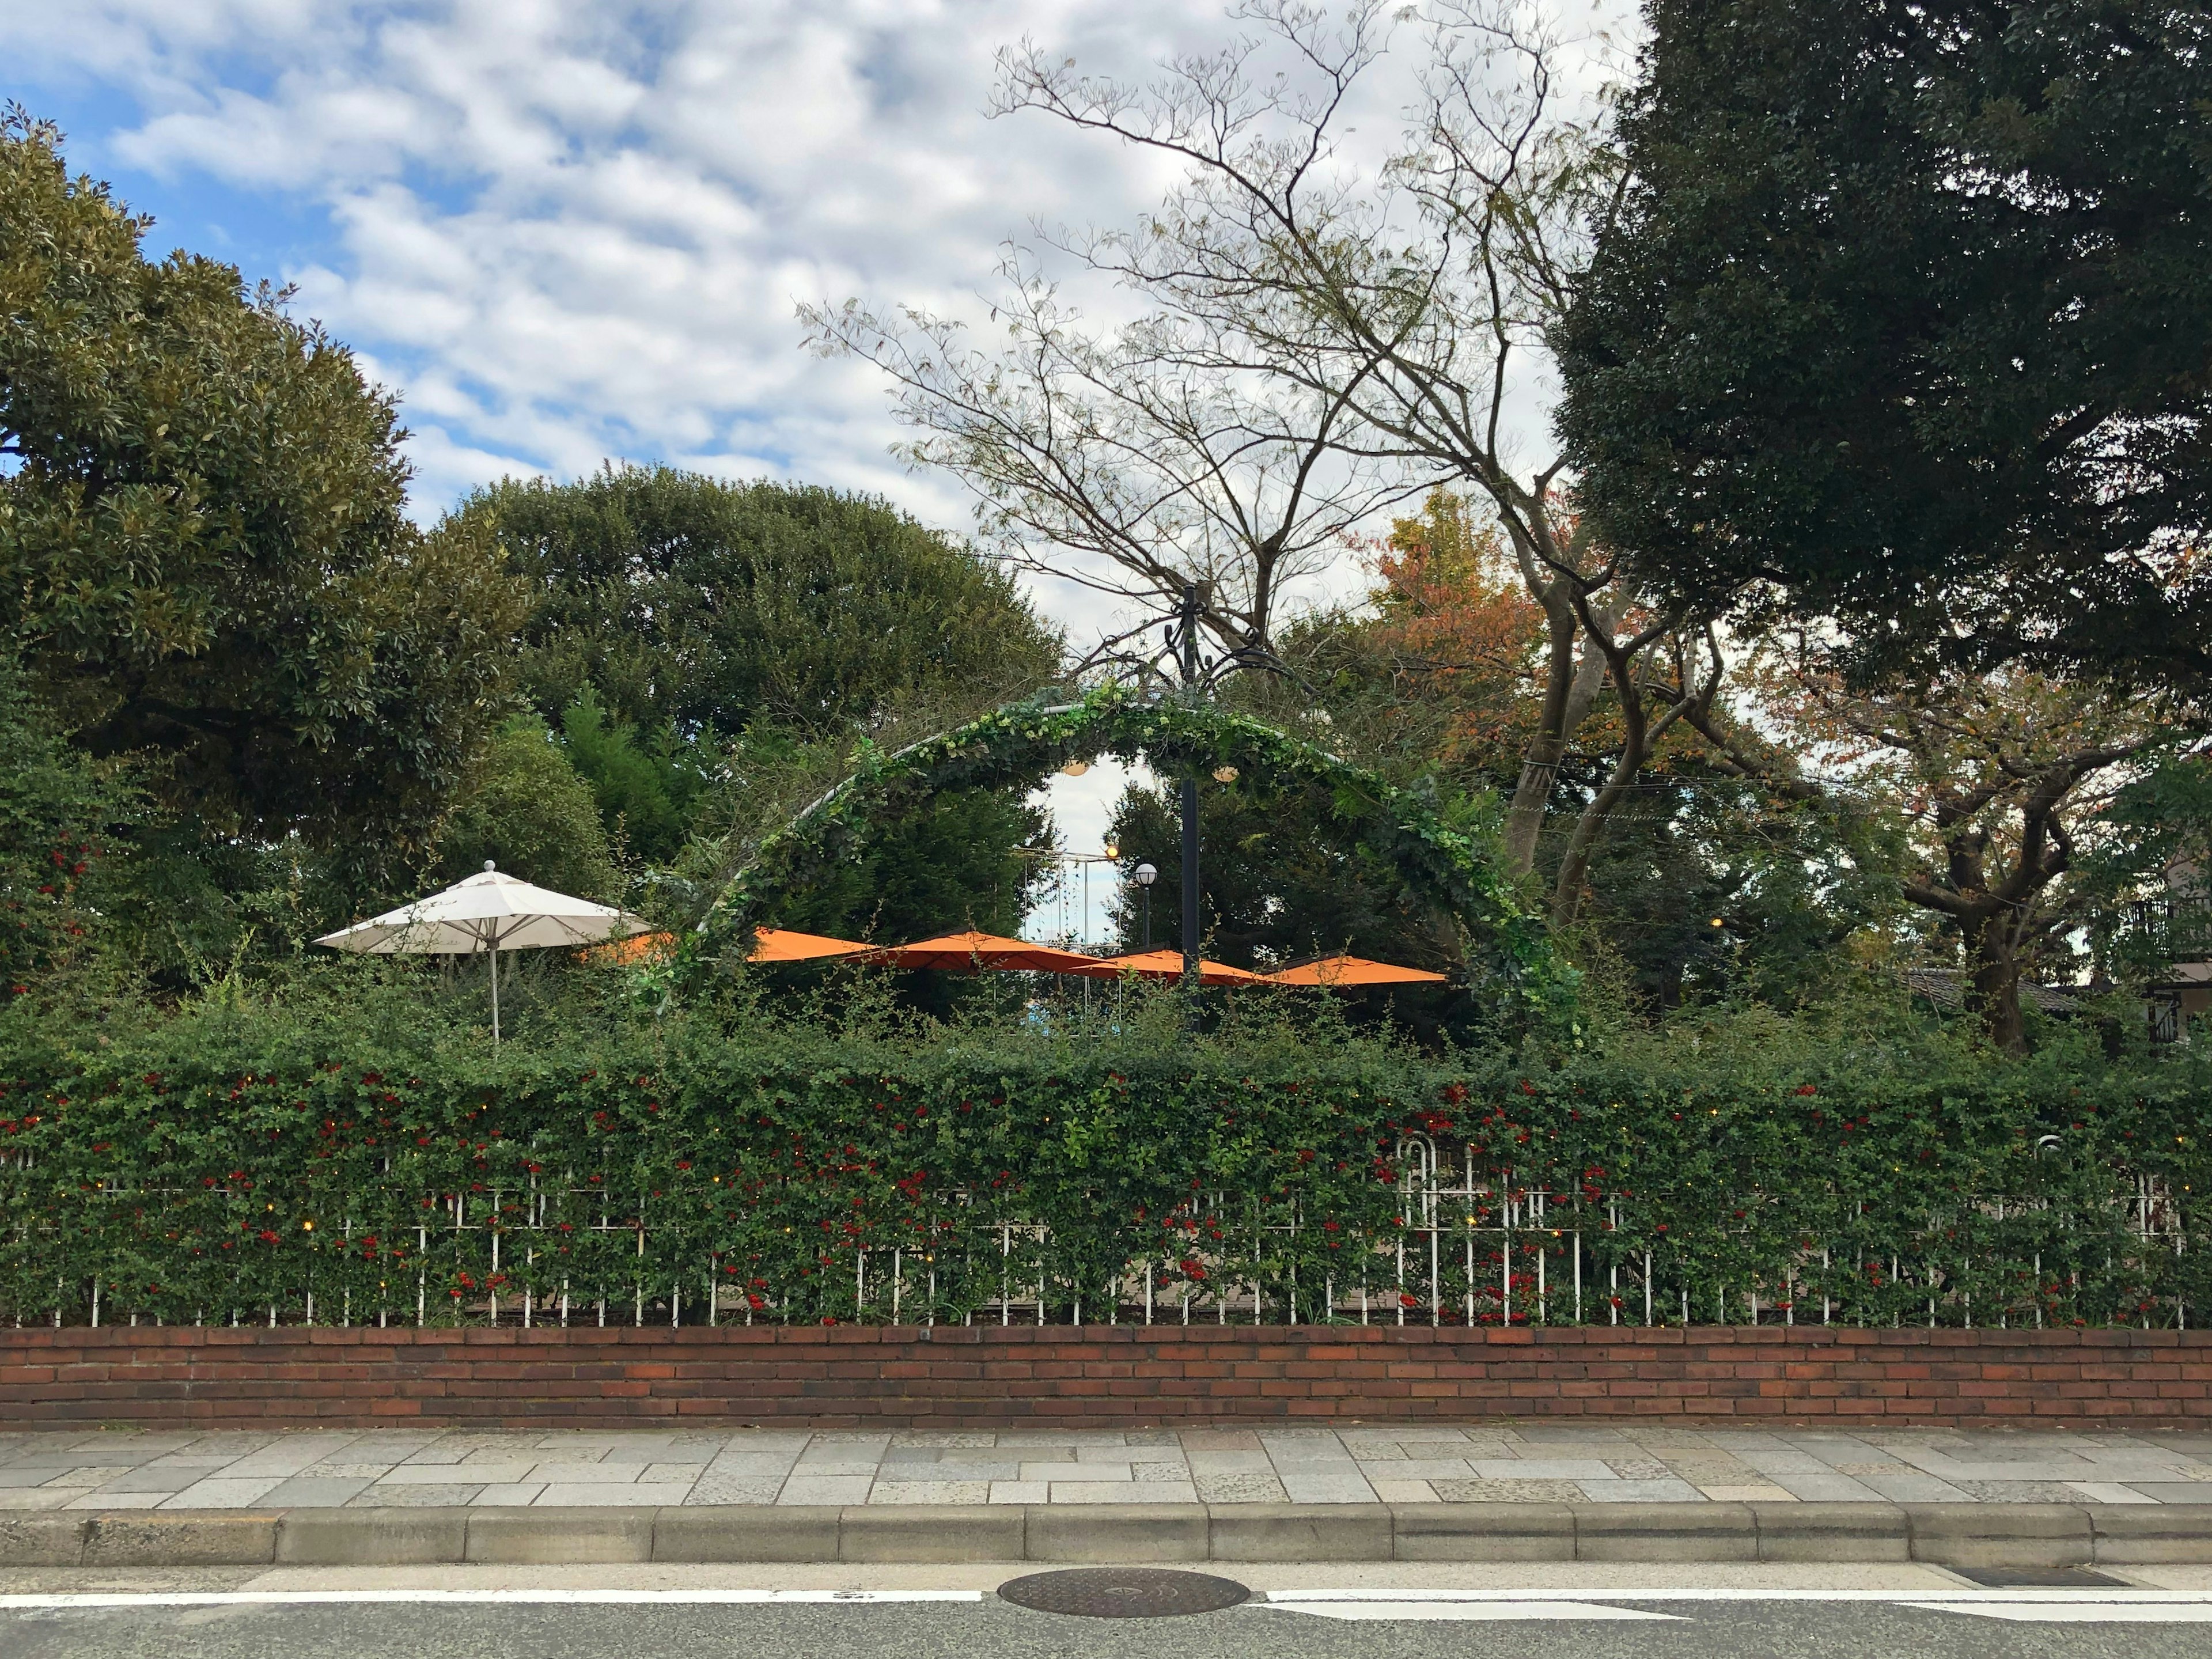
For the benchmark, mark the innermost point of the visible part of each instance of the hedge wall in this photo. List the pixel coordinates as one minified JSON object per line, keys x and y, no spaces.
{"x":216,"y":1169}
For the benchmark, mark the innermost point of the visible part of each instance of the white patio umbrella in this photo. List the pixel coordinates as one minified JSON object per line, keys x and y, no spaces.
{"x":489,"y":912}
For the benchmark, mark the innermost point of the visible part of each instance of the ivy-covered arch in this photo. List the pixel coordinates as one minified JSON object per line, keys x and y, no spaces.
{"x":1453,"y":869}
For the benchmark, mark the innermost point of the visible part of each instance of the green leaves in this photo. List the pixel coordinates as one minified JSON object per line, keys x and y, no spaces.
{"x":204,"y":550}
{"x":179,"y":1168}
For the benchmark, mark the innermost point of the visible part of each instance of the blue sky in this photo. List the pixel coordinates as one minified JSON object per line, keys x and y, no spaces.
{"x":571,"y":230}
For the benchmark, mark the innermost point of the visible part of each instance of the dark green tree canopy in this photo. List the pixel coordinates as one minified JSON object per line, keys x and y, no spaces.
{"x":1909,"y":321}
{"x":688,"y":602}
{"x":203,"y":556}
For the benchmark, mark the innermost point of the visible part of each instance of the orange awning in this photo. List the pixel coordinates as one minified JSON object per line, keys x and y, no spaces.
{"x":1168,"y":964}
{"x":972,"y":950}
{"x":621,"y":952}
{"x":782,"y":945}
{"x":1343,"y":970}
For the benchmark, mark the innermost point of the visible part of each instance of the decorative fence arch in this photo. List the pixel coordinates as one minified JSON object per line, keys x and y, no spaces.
{"x":1449,"y":868}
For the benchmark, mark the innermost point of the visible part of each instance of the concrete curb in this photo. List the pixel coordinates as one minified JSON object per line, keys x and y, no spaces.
{"x":1942,"y":1535}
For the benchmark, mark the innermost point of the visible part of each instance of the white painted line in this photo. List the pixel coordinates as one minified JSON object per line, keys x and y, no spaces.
{"x":1898,"y":1597}
{"x":1465,"y":1611}
{"x":2076,"y":1613}
{"x":286,"y":1598}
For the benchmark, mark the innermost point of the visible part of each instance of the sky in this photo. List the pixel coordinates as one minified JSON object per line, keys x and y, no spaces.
{"x":567,"y":232}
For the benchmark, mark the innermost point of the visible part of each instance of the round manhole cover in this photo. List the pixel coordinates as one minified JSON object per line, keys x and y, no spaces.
{"x":1123,"y":1592}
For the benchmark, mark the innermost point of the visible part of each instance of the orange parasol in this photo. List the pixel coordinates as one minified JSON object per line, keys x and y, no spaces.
{"x":1343,"y":972}
{"x":973,"y":951}
{"x":638,"y":947}
{"x":782,"y":945}
{"x":1168,"y":964}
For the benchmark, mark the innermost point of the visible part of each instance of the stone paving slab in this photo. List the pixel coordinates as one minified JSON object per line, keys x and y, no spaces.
{"x":1370,"y":1463}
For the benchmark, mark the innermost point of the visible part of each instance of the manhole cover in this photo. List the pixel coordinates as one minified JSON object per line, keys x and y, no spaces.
{"x":1123,"y":1592}
{"x":2040,"y":1578}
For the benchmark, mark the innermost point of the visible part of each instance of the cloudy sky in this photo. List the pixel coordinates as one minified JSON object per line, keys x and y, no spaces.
{"x":572,"y":230}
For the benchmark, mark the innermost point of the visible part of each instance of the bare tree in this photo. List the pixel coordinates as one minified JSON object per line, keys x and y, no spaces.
{"x":1413,"y":299}
{"x":1138,"y":461}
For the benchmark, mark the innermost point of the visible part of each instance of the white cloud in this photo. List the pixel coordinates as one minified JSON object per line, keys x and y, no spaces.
{"x":567,"y":230}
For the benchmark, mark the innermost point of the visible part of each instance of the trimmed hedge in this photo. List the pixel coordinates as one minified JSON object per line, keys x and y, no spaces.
{"x":227,"y":1166}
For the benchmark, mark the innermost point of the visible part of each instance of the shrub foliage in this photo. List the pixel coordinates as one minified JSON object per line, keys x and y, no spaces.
{"x":229,"y":1165}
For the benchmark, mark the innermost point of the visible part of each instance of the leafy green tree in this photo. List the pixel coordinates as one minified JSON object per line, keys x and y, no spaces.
{"x":690,"y":603}
{"x":526,"y":810}
{"x":1907,"y":318}
{"x":646,"y":788}
{"x":56,"y":811}
{"x":205,"y":560}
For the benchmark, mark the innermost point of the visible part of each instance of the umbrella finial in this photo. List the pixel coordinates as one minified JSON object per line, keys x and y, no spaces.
{"x":489,"y":866}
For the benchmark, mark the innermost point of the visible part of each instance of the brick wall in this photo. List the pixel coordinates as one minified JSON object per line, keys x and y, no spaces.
{"x":1103,"y":1377}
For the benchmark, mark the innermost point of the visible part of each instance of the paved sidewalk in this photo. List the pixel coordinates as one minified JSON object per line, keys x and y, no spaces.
{"x":1381,"y":1463}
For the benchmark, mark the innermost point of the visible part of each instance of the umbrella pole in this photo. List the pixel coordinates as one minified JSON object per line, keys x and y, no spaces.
{"x":494,"y":990}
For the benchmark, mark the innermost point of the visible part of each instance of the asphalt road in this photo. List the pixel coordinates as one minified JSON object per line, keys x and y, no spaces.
{"x":1408,"y":1628}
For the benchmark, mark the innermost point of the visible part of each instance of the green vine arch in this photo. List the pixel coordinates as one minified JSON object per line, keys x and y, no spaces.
{"x":1451,"y":869}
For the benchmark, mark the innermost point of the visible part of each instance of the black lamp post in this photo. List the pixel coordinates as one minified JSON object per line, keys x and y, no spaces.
{"x":1189,"y":642}
{"x":1146,"y":875}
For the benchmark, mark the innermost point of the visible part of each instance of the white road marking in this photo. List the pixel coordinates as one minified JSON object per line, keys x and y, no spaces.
{"x":285,"y":1598}
{"x":1456,"y":1610}
{"x":1945,"y":1599}
{"x":2077,"y":1613}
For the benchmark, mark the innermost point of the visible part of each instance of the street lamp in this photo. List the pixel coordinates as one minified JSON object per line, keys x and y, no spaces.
{"x":1146,"y":875}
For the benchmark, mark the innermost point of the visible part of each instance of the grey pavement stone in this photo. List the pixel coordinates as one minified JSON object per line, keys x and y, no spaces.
{"x":930,"y":1491}
{"x":313,"y":1492}
{"x":1120,"y":1491}
{"x":836,"y":1490}
{"x":710,"y":1489}
{"x":604,"y":1496}
{"x":1508,"y":1492}
{"x":382,"y":1496}
{"x":153,"y":1478}
{"x":1826,"y":1487}
{"x":220,"y":1493}
{"x":2171,"y":1491}
{"x":583,"y":1474}
{"x":1239,"y":1487}
{"x":2021,"y":1491}
{"x":1641,"y":1491}
{"x":37,"y":1497}
{"x":1420,"y":1469}
{"x":447,"y":1474}
{"x":36,"y":1476}
{"x":1317,"y":1482}
{"x":1543,"y":1468}
{"x":527,"y":1491}
{"x":1913,"y":1487}
{"x":1237,"y":1460}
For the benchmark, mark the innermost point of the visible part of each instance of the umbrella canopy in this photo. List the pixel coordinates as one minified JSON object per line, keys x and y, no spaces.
{"x":1342,"y":972}
{"x":1168,"y":964}
{"x":487,"y":912}
{"x":782,"y":945}
{"x":972,"y":950}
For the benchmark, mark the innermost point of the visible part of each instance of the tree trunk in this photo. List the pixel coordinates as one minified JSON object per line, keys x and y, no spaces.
{"x":1993,"y":985}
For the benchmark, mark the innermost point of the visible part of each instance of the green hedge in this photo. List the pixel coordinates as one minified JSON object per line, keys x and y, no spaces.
{"x":233,"y":1166}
